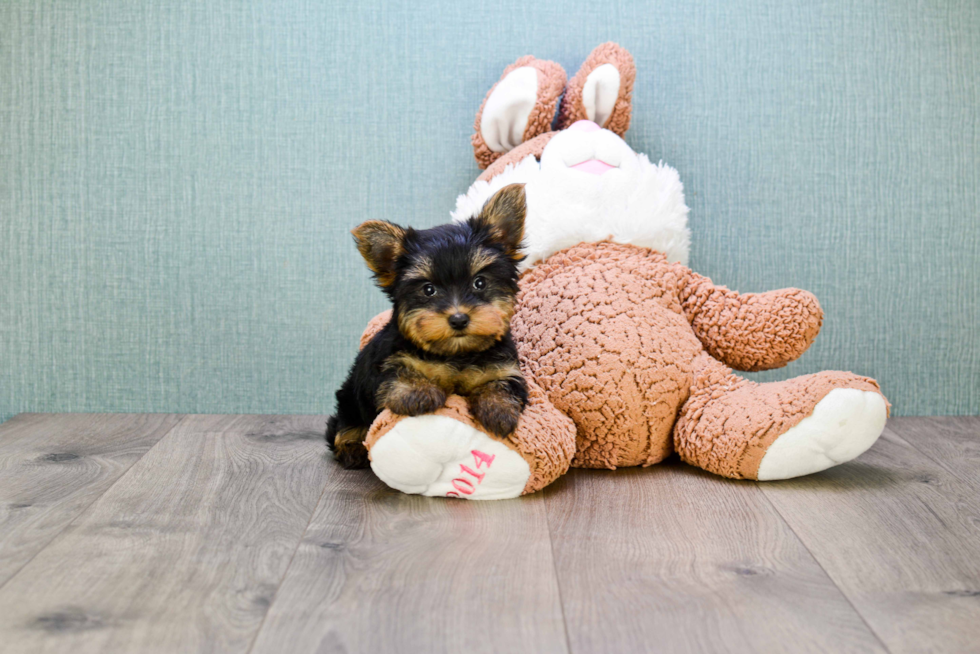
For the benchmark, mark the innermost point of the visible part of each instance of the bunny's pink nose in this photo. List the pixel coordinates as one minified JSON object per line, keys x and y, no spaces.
{"x":584,"y":126}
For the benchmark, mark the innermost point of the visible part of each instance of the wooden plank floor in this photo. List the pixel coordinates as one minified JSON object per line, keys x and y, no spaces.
{"x":163,"y":533}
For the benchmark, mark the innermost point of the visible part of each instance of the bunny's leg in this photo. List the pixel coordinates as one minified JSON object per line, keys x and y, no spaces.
{"x":779,"y":430}
{"x":448,"y":454}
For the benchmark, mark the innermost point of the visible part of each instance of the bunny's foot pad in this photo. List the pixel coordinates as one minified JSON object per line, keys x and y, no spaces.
{"x":843,"y":425}
{"x":439,"y":456}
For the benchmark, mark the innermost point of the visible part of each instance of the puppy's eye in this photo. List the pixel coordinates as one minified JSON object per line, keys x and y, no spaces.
{"x":429,"y":290}
{"x":479,"y":283}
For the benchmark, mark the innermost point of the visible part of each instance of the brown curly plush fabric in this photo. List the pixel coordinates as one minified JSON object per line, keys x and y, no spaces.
{"x":573,"y":110}
{"x":616,"y":336}
{"x":601,"y":328}
{"x":374,"y":326}
{"x":754,"y":331}
{"x":551,"y":83}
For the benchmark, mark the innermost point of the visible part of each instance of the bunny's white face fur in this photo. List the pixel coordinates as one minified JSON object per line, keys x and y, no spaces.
{"x":590,"y":186}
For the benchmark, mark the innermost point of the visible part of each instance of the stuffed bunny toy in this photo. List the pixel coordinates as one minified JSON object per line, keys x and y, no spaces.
{"x":627,"y":353}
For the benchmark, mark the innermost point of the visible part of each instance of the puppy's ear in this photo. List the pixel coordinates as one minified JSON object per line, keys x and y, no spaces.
{"x":503,"y":215}
{"x":380,"y":243}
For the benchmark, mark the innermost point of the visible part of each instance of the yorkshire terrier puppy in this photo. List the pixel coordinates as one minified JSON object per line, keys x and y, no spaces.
{"x":452,"y":289}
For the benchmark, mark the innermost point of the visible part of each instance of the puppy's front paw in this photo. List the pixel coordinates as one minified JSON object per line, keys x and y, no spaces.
{"x":497,"y":412}
{"x":349,"y":450}
{"x":412,"y":399}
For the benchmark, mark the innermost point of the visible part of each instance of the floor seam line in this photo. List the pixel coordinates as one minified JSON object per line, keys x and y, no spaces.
{"x":939,"y":463}
{"x":822,"y":568}
{"x":90,"y":504}
{"x":299,"y":543}
{"x":554,"y":570}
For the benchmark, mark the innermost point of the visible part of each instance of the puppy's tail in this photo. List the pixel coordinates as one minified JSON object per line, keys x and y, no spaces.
{"x":331,"y":432}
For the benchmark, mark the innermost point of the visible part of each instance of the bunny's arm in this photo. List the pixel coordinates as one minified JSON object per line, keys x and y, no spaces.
{"x":374,"y":326}
{"x":750,"y":332}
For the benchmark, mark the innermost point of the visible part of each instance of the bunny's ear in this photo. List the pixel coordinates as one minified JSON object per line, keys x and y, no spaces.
{"x":601,"y":91}
{"x":519,"y":107}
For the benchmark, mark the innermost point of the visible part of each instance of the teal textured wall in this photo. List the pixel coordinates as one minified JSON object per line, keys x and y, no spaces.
{"x":177,"y":179}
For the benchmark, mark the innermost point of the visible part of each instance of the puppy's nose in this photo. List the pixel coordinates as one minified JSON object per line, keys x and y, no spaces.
{"x":459,"y":321}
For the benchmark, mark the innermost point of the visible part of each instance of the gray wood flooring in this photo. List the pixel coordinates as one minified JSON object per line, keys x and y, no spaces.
{"x":167,"y":533}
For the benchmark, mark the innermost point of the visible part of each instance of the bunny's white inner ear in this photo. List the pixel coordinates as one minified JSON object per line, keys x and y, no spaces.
{"x":505,"y":114}
{"x":600,"y":92}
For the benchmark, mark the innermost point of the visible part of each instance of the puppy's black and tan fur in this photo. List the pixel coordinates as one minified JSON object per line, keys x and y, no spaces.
{"x":453,"y":289}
